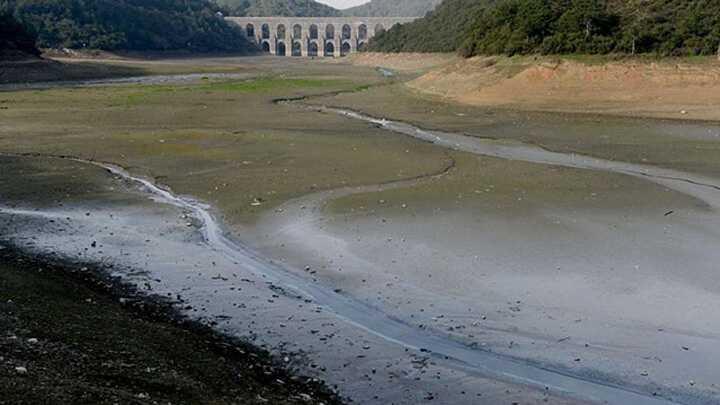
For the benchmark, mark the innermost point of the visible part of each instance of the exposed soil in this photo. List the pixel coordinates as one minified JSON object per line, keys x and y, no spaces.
{"x":28,"y":70}
{"x":662,"y":88}
{"x":72,"y":335}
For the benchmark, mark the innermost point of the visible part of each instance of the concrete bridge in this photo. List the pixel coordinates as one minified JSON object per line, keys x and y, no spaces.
{"x":314,"y":36}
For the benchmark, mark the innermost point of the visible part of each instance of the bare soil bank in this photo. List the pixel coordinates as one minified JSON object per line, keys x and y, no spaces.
{"x":32,"y":70}
{"x":672,"y":88}
{"x":69,"y":339}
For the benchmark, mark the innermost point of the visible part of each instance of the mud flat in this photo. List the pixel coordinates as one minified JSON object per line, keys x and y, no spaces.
{"x":538,"y":265}
{"x":455,"y":269}
{"x":165,"y":246}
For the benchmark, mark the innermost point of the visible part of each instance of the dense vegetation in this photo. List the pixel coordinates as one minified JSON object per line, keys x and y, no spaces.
{"x":393,"y":8}
{"x":443,"y":30}
{"x":665,"y":27}
{"x":15,"y":40}
{"x":288,"y":8}
{"x":127,"y":24}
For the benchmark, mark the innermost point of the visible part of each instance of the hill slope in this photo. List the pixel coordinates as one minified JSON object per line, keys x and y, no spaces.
{"x":15,"y":41}
{"x":288,"y":8}
{"x":443,"y":30}
{"x":665,"y":27}
{"x":393,"y":8}
{"x":127,"y":24}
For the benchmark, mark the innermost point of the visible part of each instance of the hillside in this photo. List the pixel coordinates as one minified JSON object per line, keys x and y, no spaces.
{"x":393,"y":8}
{"x":127,"y":24}
{"x":15,"y":41}
{"x":475,"y":27}
{"x":289,"y":8}
{"x":442,"y":30}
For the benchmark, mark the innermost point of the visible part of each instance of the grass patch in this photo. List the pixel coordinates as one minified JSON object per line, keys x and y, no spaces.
{"x":271,"y":84}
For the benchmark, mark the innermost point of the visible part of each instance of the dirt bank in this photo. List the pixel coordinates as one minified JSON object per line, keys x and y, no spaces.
{"x":68,"y":338}
{"x":30,"y":70}
{"x":672,"y":88}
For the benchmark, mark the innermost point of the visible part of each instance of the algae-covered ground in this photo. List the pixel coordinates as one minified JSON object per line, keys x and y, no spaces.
{"x":224,"y":141}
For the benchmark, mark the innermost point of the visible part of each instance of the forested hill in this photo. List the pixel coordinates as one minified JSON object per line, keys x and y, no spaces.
{"x":288,"y":8}
{"x":443,"y":30}
{"x":15,"y":40}
{"x":663,"y":27}
{"x":393,"y":8}
{"x":128,"y":24}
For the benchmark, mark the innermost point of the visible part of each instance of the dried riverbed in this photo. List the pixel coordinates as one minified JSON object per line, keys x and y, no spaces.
{"x":474,"y":279}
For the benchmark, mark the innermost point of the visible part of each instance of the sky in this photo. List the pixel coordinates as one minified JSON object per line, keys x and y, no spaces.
{"x":343,"y":3}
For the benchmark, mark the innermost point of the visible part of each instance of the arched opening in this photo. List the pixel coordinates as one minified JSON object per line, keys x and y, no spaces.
{"x":297,"y":31}
{"x":329,"y":49}
{"x":250,"y":31}
{"x":330,"y":32}
{"x":266,"y":46}
{"x":297,"y":48}
{"x":266,"y":31}
{"x":345,"y":49}
{"x":314,"y":32}
{"x":362,"y":31}
{"x":346,"y":32}
{"x":379,"y":29}
{"x":362,"y":46}
{"x":280,"y":51}
{"x":313,"y":49}
{"x":281,"y":31}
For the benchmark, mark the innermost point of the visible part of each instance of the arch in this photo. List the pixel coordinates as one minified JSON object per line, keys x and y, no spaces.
{"x":281,"y":49}
{"x":314,"y":32}
{"x":330,"y":31}
{"x":250,"y":31}
{"x":281,"y":31}
{"x":313,"y":49}
{"x":297,"y":31}
{"x":345,"y":49}
{"x":362,"y":32}
{"x":296,"y":48}
{"x":362,"y":46}
{"x":265,"y":31}
{"x":329,"y":49}
{"x":379,"y":29}
{"x":346,"y":31}
{"x":266,"y":46}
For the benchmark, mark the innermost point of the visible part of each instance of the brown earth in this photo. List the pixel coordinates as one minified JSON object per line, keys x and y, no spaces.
{"x":659,"y":88}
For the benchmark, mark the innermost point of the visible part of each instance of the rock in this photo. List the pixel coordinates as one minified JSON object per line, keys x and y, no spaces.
{"x":21,"y":370}
{"x":32,"y":341}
